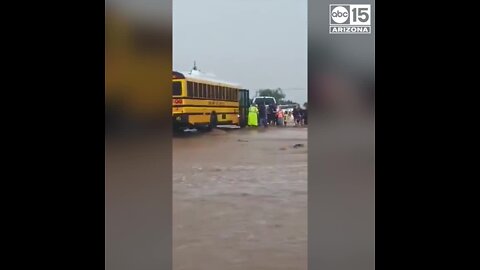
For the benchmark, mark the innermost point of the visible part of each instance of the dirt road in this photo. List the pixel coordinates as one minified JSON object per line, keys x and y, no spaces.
{"x":240,"y":200}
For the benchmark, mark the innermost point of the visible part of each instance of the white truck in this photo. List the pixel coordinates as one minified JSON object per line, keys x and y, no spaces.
{"x":264,"y":100}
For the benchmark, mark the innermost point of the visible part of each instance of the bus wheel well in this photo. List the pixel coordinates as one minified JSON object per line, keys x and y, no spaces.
{"x":213,"y":120}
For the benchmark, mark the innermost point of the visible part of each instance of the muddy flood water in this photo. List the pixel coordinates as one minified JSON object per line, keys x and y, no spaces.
{"x":240,"y":199}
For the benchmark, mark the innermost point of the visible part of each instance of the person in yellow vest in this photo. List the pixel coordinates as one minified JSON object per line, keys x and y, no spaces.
{"x":253,"y":116}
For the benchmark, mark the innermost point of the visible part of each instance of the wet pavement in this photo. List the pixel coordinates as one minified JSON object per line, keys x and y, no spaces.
{"x":240,"y":199}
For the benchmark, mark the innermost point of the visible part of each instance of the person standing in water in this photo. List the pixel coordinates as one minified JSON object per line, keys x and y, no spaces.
{"x":253,"y":116}
{"x":262,"y":112}
{"x":288,"y":118}
{"x":272,"y":114}
{"x":297,"y":115}
{"x":279,"y":117}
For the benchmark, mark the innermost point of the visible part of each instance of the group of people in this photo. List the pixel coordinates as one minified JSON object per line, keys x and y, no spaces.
{"x":275,"y":116}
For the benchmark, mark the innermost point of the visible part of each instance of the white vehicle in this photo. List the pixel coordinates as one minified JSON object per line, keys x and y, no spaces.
{"x":267,"y":100}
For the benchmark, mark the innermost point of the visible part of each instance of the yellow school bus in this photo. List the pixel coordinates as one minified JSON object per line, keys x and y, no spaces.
{"x":136,"y":63}
{"x":200,"y":101}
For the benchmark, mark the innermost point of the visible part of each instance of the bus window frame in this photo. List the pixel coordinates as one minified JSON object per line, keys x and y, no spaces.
{"x":189,"y":89}
{"x":179,"y":85}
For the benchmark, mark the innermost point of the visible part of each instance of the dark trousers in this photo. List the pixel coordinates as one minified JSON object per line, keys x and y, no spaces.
{"x":271,"y":118}
{"x":264,"y":121}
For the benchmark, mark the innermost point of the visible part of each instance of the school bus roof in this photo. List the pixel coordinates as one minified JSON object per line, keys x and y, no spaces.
{"x":203,"y":78}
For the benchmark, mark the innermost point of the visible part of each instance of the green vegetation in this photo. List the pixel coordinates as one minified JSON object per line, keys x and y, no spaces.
{"x":278,"y":94}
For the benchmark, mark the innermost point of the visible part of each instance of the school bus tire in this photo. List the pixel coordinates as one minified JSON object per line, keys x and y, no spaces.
{"x":213,"y":121}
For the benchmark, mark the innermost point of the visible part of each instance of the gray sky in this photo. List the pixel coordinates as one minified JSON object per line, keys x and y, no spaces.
{"x":256,"y":43}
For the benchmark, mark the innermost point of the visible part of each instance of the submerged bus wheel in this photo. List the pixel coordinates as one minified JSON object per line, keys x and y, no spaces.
{"x":213,"y":121}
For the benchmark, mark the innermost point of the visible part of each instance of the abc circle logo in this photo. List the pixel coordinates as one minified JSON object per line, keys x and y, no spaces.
{"x":340,"y":14}
{"x":350,"y":19}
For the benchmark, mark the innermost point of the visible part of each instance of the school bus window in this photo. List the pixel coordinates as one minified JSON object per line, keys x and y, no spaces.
{"x":177,"y":88}
{"x":195,"y":89}
{"x":204,"y":91}
{"x":227,"y":96}
{"x":190,"y":89}
{"x":216,"y":92}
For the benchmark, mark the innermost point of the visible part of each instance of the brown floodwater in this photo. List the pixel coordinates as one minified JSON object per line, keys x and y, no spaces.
{"x":240,"y":199}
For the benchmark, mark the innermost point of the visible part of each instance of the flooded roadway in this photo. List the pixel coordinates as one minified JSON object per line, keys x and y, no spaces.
{"x":240,"y":199}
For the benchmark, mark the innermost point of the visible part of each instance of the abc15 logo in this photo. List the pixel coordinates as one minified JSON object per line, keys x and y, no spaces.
{"x":342,"y":14}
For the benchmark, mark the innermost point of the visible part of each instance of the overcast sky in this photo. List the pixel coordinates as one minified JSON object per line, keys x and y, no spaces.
{"x":256,"y":43}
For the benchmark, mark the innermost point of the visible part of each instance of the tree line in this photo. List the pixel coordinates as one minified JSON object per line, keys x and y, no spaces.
{"x":278,"y":94}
